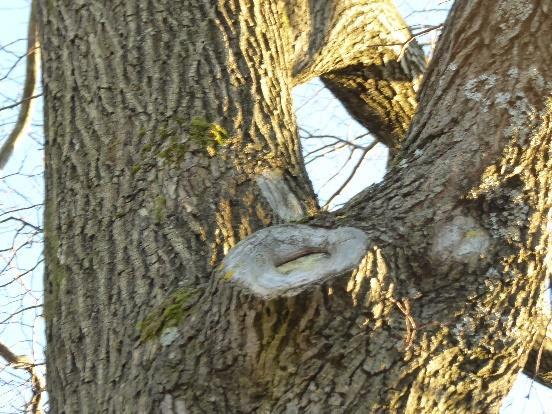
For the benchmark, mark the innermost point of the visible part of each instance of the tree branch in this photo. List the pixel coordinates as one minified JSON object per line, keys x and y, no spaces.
{"x":31,"y":75}
{"x":25,"y":363}
{"x":15,"y":104}
{"x":367,"y":57}
{"x":538,"y":366}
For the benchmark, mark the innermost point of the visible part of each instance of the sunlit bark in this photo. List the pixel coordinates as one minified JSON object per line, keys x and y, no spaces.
{"x":171,"y":138}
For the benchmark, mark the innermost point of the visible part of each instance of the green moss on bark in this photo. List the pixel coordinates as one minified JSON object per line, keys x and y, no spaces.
{"x":165,"y":143}
{"x":159,"y":209}
{"x":168,"y":314}
{"x":207,"y":134}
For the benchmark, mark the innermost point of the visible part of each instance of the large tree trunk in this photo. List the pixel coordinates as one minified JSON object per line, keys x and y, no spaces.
{"x":171,"y":137}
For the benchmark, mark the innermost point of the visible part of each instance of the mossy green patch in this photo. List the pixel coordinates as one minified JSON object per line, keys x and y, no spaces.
{"x":146,"y":149}
{"x":207,"y":134}
{"x":169,"y":313}
{"x":219,"y":134}
{"x":159,"y":209}
{"x":166,"y":133}
{"x":228,"y":275}
{"x":174,"y":152}
{"x":199,"y":130}
{"x":166,"y":145}
{"x":50,"y":6}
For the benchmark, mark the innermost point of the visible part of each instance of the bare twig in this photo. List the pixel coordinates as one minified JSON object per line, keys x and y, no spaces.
{"x":23,"y":274}
{"x":24,"y":222}
{"x":411,"y":328}
{"x":32,"y":207}
{"x":340,"y":169}
{"x":22,"y":101}
{"x":413,"y":36}
{"x":353,"y":172}
{"x":4,"y":48}
{"x":20,"y":311}
{"x":541,"y":348}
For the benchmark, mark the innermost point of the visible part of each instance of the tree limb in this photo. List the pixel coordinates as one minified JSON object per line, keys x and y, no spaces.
{"x":366,"y":56}
{"x":25,"y":363}
{"x":31,"y":75}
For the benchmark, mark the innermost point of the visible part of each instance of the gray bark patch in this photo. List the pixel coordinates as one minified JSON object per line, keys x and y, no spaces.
{"x":285,"y":260}
{"x":282,"y":201}
{"x":460,"y":239}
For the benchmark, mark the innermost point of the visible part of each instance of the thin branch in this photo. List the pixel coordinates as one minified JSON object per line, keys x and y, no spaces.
{"x":4,"y":48}
{"x":329,"y":147}
{"x":20,"y":311}
{"x":31,"y":76}
{"x":433,"y":10}
{"x":12,"y":68}
{"x":24,"y":273}
{"x":25,"y":223}
{"x":13,"y":105}
{"x":21,"y":209}
{"x":336,"y":138}
{"x":353,"y":172}
{"x":541,"y":348}
{"x":351,"y":152}
{"x":413,"y":36}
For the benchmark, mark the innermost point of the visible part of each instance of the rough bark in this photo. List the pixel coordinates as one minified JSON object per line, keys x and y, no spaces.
{"x":160,"y":118}
{"x":171,"y":137}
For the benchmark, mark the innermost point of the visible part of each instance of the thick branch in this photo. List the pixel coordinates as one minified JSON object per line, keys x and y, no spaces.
{"x":330,"y":36}
{"x":462,"y":220}
{"x":366,"y":56}
{"x":381,"y":103}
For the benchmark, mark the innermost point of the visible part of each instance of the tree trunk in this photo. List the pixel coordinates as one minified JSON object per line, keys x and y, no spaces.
{"x":171,"y":137}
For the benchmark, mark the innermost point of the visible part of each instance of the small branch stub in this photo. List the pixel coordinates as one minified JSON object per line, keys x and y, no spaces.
{"x":284,"y":260}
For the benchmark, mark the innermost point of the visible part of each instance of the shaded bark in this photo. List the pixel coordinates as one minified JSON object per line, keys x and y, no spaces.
{"x":171,"y":137}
